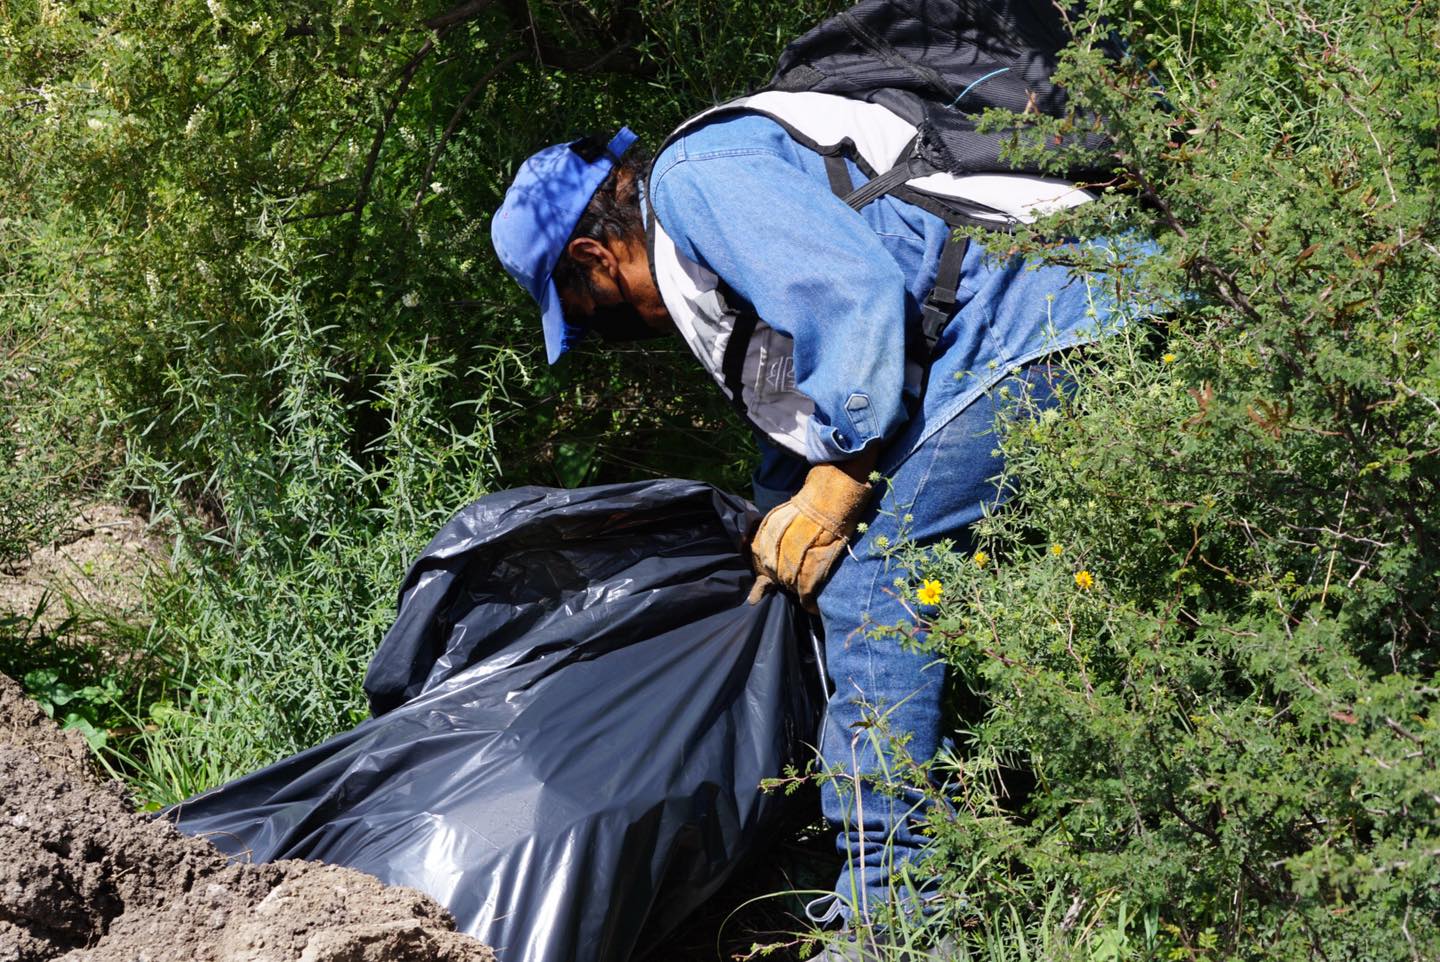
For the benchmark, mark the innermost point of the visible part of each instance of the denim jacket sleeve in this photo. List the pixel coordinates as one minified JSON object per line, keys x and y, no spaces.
{"x":812,"y":268}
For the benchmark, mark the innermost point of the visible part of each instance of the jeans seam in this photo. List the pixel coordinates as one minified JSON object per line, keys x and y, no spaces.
{"x":884,"y":571}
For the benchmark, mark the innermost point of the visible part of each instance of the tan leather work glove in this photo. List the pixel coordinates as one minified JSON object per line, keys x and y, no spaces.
{"x":799,"y":541}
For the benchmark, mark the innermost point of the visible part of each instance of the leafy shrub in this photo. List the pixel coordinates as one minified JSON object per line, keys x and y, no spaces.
{"x":1207,"y":633}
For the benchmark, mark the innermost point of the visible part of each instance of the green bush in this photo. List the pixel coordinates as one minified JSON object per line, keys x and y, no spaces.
{"x":1207,"y":630}
{"x":259,"y":233}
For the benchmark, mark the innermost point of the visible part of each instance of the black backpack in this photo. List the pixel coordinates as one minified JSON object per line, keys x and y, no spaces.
{"x":939,"y":64}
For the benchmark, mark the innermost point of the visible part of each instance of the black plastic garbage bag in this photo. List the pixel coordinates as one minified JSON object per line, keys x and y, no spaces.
{"x":574,"y":710}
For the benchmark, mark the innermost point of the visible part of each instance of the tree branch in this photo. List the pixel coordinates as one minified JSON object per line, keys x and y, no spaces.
{"x":613,"y":51}
{"x":619,"y":59}
{"x":458,"y":15}
{"x":362,"y":196}
{"x":454,"y":123}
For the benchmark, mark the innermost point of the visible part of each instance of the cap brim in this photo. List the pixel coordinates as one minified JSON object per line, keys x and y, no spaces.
{"x":559,"y":335}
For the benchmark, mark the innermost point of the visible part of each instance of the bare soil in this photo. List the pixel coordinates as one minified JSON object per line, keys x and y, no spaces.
{"x":97,"y":564}
{"x":24,"y":726}
{"x":83,"y":877}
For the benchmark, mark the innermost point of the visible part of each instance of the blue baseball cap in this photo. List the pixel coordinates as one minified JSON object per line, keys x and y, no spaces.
{"x":532,"y":226}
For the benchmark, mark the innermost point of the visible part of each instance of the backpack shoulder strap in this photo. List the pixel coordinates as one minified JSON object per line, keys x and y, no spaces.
{"x":939,"y":304}
{"x":732,"y":366}
{"x":839,"y":175}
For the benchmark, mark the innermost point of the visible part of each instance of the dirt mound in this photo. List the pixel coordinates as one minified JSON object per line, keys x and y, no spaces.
{"x":24,"y":725}
{"x":292,"y":910}
{"x":82,"y":877}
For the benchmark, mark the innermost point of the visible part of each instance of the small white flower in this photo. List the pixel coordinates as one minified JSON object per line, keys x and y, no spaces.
{"x":95,"y":123}
{"x":197,"y":117}
{"x":411,"y":299}
{"x":437,"y":187}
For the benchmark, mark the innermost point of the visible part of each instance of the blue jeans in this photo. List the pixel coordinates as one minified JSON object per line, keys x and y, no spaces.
{"x":945,"y":486}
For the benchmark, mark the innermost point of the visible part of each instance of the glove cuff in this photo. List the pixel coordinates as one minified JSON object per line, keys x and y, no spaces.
{"x":833,"y":499}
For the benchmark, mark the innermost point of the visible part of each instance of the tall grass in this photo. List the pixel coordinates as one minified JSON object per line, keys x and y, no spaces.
{"x":282,"y":591}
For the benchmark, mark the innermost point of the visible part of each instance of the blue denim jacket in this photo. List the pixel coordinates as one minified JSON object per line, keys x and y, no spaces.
{"x":742,"y":198}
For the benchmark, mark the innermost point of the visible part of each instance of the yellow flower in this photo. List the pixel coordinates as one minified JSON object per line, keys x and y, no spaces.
{"x":1085,"y":580}
{"x":1168,"y":358}
{"x":1057,"y":549}
{"x":980,"y":559}
{"x":929,"y":593}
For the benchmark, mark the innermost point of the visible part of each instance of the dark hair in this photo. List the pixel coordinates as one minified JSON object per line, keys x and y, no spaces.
{"x":613,"y":212}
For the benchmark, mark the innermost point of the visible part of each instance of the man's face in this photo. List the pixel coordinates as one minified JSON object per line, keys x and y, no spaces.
{"x":621,"y":302}
{"x":619,"y":321}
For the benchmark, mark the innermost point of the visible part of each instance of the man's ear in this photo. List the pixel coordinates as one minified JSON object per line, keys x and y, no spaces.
{"x":593,"y":256}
